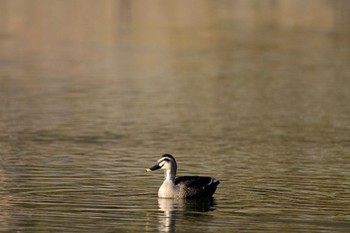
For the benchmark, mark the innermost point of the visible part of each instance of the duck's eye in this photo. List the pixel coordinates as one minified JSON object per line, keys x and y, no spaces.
{"x":161,"y":163}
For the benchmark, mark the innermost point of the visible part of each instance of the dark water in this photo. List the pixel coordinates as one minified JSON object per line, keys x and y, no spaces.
{"x":93,"y":93}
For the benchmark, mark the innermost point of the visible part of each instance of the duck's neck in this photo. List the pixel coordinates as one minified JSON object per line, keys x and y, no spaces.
{"x":170,"y":175}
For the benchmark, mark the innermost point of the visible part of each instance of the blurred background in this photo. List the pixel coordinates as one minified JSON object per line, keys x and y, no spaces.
{"x":254,"y":93}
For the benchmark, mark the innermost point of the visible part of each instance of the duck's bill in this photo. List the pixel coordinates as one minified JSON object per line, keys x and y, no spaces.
{"x":155,"y":167}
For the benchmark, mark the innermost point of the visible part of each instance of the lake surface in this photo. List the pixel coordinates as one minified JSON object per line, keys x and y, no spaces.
{"x":92,"y":93}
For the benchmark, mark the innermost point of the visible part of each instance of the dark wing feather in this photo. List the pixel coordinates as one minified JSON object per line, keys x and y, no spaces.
{"x":193,"y":181}
{"x":197,"y":186}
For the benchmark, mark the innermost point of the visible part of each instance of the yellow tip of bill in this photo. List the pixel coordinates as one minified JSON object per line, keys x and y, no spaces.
{"x":148,"y":170}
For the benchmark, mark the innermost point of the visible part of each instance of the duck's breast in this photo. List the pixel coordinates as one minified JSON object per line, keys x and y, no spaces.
{"x":167,"y":190}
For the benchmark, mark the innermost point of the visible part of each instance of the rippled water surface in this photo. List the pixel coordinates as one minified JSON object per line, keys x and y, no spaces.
{"x":92,"y":94}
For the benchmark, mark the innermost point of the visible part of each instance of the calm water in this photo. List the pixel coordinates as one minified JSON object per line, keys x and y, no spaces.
{"x":93,"y":93}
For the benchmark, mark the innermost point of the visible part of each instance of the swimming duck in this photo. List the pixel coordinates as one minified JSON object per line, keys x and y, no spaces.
{"x":183,"y":186}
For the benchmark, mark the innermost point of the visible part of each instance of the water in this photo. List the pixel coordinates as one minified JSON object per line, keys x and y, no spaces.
{"x":96,"y":93}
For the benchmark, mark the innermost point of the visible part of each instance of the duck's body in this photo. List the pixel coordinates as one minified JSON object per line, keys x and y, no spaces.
{"x":183,"y":186}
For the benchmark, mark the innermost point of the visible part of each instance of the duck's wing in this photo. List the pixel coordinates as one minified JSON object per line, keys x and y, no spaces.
{"x":197,"y":186}
{"x":194,"y":181}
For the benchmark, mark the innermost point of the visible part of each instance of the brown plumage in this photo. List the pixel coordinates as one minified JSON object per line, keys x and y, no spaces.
{"x":183,"y":186}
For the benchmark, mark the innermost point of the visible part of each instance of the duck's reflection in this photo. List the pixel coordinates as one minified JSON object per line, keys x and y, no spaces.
{"x":172,"y":208}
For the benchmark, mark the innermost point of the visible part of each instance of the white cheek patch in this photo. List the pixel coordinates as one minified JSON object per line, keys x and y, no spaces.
{"x":161,"y":164}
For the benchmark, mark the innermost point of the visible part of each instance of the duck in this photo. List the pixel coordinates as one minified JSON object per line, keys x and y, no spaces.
{"x":183,"y":187}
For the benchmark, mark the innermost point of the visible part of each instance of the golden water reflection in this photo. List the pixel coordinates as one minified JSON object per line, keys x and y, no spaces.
{"x":174,"y":210}
{"x":254,"y":93}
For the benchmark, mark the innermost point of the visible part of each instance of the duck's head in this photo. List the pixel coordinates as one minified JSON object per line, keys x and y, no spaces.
{"x":166,"y":162}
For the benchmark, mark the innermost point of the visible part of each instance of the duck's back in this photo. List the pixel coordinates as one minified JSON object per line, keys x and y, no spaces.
{"x":196,"y":186}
